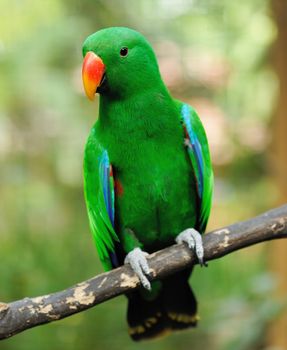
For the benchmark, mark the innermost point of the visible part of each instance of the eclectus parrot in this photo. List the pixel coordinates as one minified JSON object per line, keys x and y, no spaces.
{"x":148,"y":178}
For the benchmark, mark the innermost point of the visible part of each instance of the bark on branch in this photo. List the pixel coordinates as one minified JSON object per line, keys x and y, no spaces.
{"x":19,"y":315}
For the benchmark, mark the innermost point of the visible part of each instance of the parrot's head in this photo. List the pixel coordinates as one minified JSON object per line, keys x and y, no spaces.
{"x":118,"y":62}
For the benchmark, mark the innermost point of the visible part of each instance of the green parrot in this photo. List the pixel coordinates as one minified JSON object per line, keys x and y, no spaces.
{"x":148,"y":178}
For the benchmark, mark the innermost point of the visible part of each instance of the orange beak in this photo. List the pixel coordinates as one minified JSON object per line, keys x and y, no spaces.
{"x":92,"y":72}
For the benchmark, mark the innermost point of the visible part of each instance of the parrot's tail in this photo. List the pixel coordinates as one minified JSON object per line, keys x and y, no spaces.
{"x":171,"y":307}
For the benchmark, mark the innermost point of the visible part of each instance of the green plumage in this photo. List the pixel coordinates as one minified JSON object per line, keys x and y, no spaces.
{"x":140,"y":134}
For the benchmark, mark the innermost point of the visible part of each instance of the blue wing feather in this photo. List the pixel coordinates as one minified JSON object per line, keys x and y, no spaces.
{"x":200,"y":160}
{"x":99,"y":194}
{"x":194,"y":147}
{"x":106,"y":183}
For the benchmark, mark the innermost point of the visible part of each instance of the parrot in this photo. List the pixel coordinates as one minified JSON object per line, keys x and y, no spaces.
{"x":148,"y":178}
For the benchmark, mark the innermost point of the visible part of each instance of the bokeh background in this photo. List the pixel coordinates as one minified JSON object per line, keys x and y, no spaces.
{"x":226,"y":58}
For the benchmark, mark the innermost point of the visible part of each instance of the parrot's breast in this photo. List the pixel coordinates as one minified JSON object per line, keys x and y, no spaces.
{"x":155,"y":189}
{"x":155,"y":193}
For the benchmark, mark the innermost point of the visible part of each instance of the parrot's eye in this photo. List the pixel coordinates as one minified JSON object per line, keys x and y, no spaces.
{"x":124,"y":51}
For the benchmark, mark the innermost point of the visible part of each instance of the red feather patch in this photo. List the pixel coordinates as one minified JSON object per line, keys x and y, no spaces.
{"x":119,"y":190}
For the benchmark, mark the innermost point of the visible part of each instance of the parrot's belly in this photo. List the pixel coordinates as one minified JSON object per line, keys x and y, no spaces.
{"x":156,"y":202}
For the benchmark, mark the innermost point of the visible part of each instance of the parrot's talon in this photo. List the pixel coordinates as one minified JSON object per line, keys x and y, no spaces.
{"x":202,"y":263}
{"x":194,"y":241}
{"x":137,"y":260}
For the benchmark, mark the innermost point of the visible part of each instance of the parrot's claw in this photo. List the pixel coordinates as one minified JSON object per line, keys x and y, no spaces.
{"x":137,"y":259}
{"x":194,"y":241}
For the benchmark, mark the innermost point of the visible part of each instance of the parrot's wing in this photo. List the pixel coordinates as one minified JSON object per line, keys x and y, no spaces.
{"x":198,"y":150}
{"x":99,"y":195}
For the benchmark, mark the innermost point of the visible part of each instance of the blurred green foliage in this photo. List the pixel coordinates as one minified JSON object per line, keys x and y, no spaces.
{"x":220,"y":51}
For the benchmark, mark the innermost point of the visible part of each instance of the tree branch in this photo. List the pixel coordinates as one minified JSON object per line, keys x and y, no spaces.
{"x":30,"y":312}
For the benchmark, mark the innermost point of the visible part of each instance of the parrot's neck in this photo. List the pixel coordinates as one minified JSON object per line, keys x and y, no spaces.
{"x":138,"y":126}
{"x":144,"y":114}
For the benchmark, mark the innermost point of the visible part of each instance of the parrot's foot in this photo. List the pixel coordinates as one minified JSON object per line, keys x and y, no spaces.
{"x":137,"y":259}
{"x":194,"y":242}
